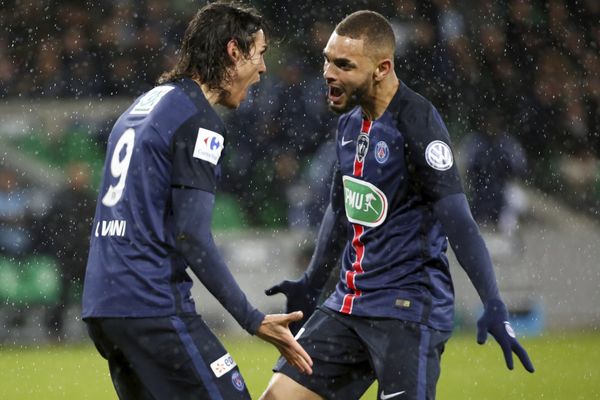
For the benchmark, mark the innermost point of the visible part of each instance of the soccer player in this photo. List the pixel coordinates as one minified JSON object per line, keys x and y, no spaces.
{"x":395,"y":200}
{"x":153,"y":220}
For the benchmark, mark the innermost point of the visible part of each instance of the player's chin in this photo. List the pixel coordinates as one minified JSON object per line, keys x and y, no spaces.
{"x":233,"y":102}
{"x":338,"y":107}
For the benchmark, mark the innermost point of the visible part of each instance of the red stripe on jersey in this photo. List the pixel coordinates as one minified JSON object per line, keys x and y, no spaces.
{"x":359,"y":249}
{"x":359,"y":165}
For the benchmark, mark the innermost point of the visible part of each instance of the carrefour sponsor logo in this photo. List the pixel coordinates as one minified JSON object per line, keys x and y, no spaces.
{"x":209,"y":146}
{"x":223,"y":365}
{"x":365,"y":203}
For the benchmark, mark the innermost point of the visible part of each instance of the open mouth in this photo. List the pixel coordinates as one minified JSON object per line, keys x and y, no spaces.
{"x":335,"y":94}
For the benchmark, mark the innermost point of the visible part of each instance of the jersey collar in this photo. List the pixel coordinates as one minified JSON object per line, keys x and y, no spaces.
{"x":194,"y":92}
{"x":396,"y":100}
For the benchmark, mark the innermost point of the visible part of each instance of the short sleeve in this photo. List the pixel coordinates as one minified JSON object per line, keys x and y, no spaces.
{"x":196,"y":150}
{"x":430,"y":157}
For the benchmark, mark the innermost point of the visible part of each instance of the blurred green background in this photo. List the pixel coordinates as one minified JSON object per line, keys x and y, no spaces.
{"x":566,"y":368}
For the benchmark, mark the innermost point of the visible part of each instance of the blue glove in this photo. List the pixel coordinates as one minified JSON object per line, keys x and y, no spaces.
{"x":300,"y":297}
{"x":495,"y":321}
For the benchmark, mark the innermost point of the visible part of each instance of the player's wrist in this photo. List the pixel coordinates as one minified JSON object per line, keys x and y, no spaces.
{"x":496,"y":306}
{"x":256,"y":319}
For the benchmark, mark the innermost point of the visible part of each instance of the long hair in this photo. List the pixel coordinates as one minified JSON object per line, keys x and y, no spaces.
{"x":203,"y":53}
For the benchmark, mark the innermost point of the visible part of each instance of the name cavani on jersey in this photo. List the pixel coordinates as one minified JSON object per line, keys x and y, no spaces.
{"x":113,"y":227}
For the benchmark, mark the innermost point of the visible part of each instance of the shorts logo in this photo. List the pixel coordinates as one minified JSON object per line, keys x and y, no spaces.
{"x":209,"y":146}
{"x":365,"y":203}
{"x":362,"y":146}
{"x":238,"y":381}
{"x":150,"y":100}
{"x":439,"y":156}
{"x":382,"y":152}
{"x":223,"y":365}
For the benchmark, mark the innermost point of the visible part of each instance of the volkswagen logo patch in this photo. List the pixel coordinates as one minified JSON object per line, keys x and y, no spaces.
{"x":439,"y":156}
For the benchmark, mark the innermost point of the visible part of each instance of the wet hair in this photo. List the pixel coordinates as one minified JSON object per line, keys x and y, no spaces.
{"x":373,"y":28}
{"x":203,"y":53}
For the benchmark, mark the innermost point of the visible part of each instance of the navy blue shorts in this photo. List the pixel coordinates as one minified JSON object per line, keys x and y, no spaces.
{"x":169,"y":358}
{"x":350,"y":352}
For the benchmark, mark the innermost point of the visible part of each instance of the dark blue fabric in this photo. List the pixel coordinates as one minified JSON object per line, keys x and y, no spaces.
{"x":199,"y":364}
{"x":165,"y":358}
{"x":404,"y":271}
{"x":495,"y":321}
{"x":192,"y":210}
{"x":468,"y":245}
{"x":135,"y":270}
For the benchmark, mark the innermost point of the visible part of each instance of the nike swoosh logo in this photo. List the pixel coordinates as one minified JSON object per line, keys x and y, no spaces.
{"x":384,"y":396}
{"x":345,"y":142}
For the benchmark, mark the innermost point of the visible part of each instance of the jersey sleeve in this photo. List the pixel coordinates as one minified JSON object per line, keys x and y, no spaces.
{"x":430,"y":158}
{"x":196,"y":150}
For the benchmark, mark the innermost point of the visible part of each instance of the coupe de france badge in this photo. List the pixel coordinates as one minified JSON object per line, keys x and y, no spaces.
{"x":209,"y":146}
{"x":362,"y":146}
{"x":439,"y":156}
{"x":150,"y":100}
{"x":382,"y":152}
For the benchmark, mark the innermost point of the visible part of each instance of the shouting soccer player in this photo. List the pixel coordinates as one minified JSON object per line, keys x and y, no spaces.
{"x":153,"y":220}
{"x":395,"y":200}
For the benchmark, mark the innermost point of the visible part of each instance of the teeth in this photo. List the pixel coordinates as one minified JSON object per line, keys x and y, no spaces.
{"x":334,"y":91}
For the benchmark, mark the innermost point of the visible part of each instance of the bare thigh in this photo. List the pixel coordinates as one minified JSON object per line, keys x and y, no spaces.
{"x":282,"y":387}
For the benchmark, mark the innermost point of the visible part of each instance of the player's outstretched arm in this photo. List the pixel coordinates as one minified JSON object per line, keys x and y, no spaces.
{"x":468,"y":245}
{"x":303,"y":294}
{"x":192,"y":210}
{"x":275,"y":330}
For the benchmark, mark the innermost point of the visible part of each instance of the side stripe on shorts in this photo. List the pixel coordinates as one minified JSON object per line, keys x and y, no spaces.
{"x":202,"y":369}
{"x":424,"y":344}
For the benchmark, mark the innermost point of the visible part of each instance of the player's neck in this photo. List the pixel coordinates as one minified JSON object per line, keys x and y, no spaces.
{"x":212,"y":96}
{"x":380,"y":97}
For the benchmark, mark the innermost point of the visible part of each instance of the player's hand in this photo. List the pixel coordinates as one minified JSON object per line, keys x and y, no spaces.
{"x":275,"y":330}
{"x":495,"y":321}
{"x":300,"y":297}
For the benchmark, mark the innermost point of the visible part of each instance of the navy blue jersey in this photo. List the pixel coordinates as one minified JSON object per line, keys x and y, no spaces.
{"x":169,"y":137}
{"x":391,"y":172}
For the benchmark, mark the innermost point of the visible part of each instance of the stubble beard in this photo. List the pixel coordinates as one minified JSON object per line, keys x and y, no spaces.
{"x":354,"y":99}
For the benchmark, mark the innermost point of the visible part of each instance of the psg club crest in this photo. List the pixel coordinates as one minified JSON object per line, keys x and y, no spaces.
{"x":362,"y":146}
{"x":237,"y":381}
{"x":382,"y":152}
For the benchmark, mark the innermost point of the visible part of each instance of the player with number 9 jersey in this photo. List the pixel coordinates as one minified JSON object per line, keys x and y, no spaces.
{"x":153,"y":221}
{"x":168,"y":137}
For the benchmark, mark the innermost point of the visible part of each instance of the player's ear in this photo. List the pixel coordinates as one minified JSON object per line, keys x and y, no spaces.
{"x":384,"y":67}
{"x":232,"y":50}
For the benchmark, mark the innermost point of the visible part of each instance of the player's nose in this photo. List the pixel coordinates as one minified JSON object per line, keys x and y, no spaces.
{"x":262,"y":68}
{"x":328,"y":73}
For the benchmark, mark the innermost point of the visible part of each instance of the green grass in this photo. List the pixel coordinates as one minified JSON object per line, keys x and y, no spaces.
{"x":566,"y":368}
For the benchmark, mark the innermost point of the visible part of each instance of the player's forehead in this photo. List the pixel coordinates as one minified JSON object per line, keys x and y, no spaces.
{"x":260,"y":41}
{"x":344,"y":47}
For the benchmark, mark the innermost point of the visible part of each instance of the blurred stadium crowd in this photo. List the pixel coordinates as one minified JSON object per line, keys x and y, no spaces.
{"x":526,"y":71}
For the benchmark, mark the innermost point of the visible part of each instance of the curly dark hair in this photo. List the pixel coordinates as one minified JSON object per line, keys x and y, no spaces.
{"x":203,"y":53}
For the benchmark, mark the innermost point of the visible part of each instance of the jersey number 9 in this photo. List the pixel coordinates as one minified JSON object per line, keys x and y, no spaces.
{"x":119,"y":167}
